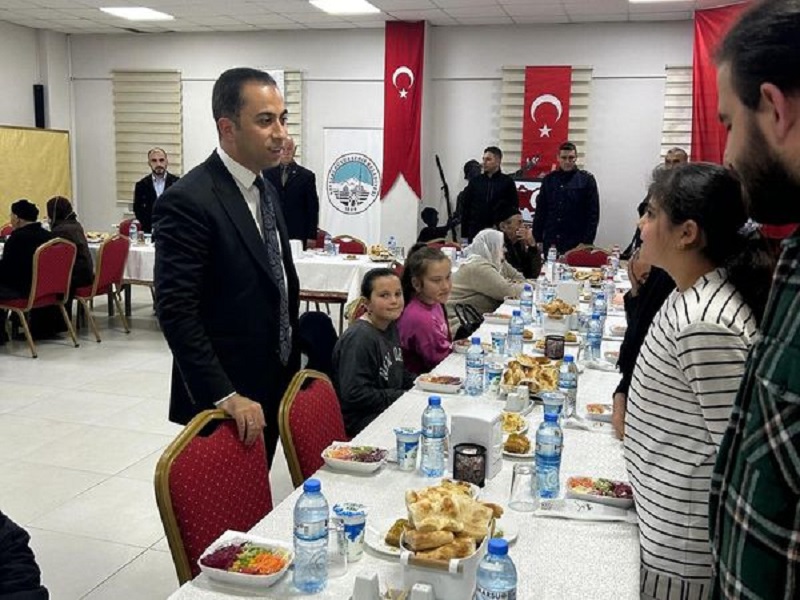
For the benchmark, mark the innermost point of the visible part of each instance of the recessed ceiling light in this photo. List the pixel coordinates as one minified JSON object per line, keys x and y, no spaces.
{"x":345,"y":7}
{"x":138,"y":13}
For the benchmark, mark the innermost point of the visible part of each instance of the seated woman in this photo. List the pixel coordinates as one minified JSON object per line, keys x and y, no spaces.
{"x":689,"y":367}
{"x":424,"y":333}
{"x":484,"y":279}
{"x":369,"y":373}
{"x":64,"y":224}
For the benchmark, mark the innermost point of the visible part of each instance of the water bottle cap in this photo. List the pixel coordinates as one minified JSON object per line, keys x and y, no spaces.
{"x":595,"y":316}
{"x":498,"y":547}
{"x":434,"y":401}
{"x":601,"y":295}
{"x":476,"y":341}
{"x":517,"y":313}
{"x":527,"y":287}
{"x":312,"y":485}
{"x":568,"y":358}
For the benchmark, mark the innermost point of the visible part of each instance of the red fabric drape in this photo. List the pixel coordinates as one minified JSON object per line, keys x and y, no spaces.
{"x":402,"y":104}
{"x":708,"y":135}
{"x":545,"y":118}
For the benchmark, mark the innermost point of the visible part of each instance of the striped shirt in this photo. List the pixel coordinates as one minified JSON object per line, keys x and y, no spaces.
{"x":681,"y":395}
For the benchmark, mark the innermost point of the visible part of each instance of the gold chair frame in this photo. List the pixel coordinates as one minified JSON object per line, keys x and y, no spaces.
{"x":116,"y":291}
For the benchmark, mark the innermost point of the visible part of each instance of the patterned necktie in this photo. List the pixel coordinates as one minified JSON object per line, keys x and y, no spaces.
{"x":269,"y":231}
{"x":284,"y":174}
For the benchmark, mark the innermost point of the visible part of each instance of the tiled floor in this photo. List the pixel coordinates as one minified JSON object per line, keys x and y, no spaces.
{"x":81,"y":430}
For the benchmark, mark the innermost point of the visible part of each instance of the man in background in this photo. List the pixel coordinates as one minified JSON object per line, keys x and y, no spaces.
{"x":754,"y":507}
{"x":522,"y":252}
{"x":297,"y":189}
{"x":150,"y":187}
{"x":568,"y":205}
{"x":486,"y":195}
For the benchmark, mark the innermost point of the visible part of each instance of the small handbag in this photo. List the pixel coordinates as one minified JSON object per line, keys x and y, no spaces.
{"x":469,"y":320}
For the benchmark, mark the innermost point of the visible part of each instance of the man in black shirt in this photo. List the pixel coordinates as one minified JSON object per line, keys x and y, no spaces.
{"x":568,"y":205}
{"x":522,"y":253}
{"x":486,"y":195}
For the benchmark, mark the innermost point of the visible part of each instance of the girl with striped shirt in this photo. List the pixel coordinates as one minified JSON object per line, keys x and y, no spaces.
{"x":689,"y":368}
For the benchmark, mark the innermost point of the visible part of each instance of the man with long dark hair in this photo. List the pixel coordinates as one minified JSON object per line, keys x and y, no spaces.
{"x":755,"y":491}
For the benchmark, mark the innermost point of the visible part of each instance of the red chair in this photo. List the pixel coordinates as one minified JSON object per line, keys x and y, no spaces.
{"x":6,"y":230}
{"x":207,"y":485}
{"x":321,"y":233}
{"x":587,"y":256}
{"x":52,"y":272}
{"x":444,"y":244}
{"x":111,"y":258}
{"x":350,"y":245}
{"x":310,"y":419}
{"x":359,"y":310}
{"x":125,"y":227}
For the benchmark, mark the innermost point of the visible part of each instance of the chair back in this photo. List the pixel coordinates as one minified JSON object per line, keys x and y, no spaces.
{"x":6,"y":230}
{"x":397,"y":268}
{"x":586,"y":256}
{"x":321,"y":233}
{"x":310,"y":419}
{"x":112,"y":257}
{"x":359,"y":310}
{"x":444,"y":244}
{"x":207,"y":485}
{"x":125,"y":226}
{"x":52,"y":273}
{"x":350,"y":245}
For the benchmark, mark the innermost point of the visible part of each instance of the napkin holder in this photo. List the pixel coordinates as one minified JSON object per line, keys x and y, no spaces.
{"x":481,"y":425}
{"x":296,"y":246}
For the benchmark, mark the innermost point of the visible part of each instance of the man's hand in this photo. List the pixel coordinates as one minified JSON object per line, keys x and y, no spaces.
{"x":638,"y":271}
{"x":249,"y":417}
{"x":618,"y":417}
{"x":525,"y":235}
{"x":311,"y":244}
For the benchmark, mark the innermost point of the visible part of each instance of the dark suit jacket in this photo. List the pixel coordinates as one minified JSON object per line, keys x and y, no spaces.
{"x":215,"y":299}
{"x":144,"y":198}
{"x":567,"y":210}
{"x":299,"y":201}
{"x":483,"y":199}
{"x":16,"y":266}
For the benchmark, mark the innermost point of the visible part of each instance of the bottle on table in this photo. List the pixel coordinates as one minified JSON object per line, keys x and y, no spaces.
{"x":328,"y":245}
{"x":516,"y":327}
{"x":434,"y":431}
{"x":550,"y":265}
{"x":311,"y":539}
{"x":475,"y":368}
{"x":494,"y":374}
{"x":526,"y":303}
{"x":609,"y":288}
{"x":594,"y":338}
{"x":497,"y":575}
{"x":133,"y":231}
{"x":549,"y":443}
{"x":391,"y":245}
{"x":568,"y":385}
{"x":600,"y":307}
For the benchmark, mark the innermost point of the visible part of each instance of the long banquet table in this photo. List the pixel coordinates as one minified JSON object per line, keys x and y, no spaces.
{"x":555,"y":558}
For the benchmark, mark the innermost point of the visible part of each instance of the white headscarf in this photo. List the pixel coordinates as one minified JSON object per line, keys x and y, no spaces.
{"x":488,"y":244}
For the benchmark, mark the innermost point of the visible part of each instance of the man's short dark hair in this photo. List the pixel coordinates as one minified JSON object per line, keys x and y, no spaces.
{"x":226,"y":99}
{"x":494,"y":150}
{"x":764,"y":47}
{"x":567,"y":147}
{"x":156,"y":149}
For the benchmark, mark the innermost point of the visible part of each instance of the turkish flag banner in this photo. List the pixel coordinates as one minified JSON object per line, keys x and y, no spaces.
{"x":708,"y":134}
{"x":545,"y":118}
{"x":402,"y":104}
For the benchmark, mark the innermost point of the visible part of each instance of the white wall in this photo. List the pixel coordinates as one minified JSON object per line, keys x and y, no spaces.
{"x":19,"y":70}
{"x":343,"y":73}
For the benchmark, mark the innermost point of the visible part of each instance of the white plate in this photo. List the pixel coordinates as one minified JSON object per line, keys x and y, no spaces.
{"x":607,"y":500}
{"x":494,"y":319}
{"x":531,"y":454}
{"x":375,"y":538}
{"x":508,"y":527}
{"x":352,"y":466}
{"x":243,"y":579}
{"x":442,"y":388}
{"x":618,"y":330}
{"x":462,"y":348}
{"x":605,"y":417}
{"x":508,"y":433}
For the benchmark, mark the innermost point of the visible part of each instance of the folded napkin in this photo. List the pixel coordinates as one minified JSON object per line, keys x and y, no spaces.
{"x":582,"y":424}
{"x":600,"y":365}
{"x":581,"y":510}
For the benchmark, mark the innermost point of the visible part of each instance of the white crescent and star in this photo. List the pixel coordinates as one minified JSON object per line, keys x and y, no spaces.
{"x":403,"y":70}
{"x":546,"y":99}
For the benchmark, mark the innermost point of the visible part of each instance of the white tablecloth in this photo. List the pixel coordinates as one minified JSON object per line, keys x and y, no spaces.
{"x":320,"y":273}
{"x":555,"y":559}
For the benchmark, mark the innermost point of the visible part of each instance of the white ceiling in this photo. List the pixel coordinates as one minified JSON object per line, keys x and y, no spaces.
{"x":83,"y":16}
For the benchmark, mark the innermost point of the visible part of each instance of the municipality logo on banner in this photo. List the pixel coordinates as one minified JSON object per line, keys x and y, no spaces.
{"x":353,"y":183}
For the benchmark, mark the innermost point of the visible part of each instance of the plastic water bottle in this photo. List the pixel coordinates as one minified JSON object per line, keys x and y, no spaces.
{"x":600,"y":308}
{"x":311,"y":539}
{"x":550,"y":267}
{"x":434,"y":431}
{"x":568,"y":385}
{"x":494,"y":374}
{"x":516,"y":327}
{"x":328,"y":245}
{"x":609,"y":288}
{"x":475,"y":368}
{"x":526,"y":304}
{"x":549,"y":443}
{"x":594,"y":338}
{"x":391,"y":245}
{"x":497,"y":575}
{"x":133,"y":231}
{"x":614,"y":259}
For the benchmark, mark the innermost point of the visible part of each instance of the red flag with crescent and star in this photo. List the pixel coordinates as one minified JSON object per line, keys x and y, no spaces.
{"x":402,"y":104}
{"x":545,"y":119}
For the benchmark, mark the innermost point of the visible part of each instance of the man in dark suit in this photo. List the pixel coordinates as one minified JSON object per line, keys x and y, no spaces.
{"x":16,"y":266}
{"x":227,"y":294}
{"x":487,"y":194}
{"x":150,"y":187}
{"x":297,"y":188}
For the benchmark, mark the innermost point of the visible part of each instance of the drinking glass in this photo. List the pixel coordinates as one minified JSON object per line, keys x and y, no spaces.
{"x":524,"y":495}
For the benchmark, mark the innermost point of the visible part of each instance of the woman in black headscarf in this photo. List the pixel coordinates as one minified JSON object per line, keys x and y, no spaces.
{"x":64,"y":224}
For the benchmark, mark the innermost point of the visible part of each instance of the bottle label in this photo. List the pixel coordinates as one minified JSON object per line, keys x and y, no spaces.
{"x":481,"y":593}
{"x":311,"y":531}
